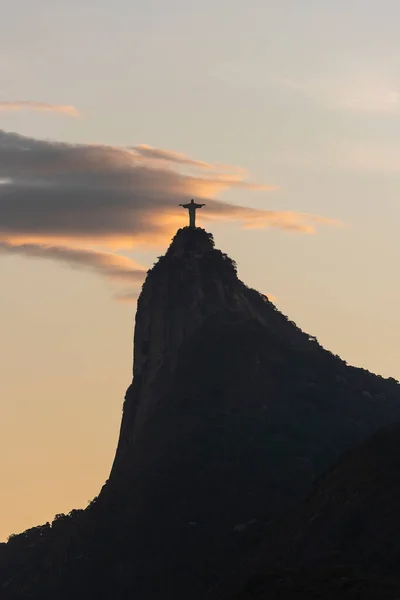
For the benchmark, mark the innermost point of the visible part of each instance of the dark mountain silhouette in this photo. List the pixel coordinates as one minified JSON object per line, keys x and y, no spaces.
{"x":344,"y":539}
{"x":231,"y":414}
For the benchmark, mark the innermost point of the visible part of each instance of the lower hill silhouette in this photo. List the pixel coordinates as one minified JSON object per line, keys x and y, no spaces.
{"x":231,"y":414}
{"x":343,"y":539}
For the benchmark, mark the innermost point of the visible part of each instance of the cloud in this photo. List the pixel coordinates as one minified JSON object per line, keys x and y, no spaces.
{"x":104,"y":194}
{"x":171,"y":156}
{"x":111,"y":265}
{"x":259,"y":219}
{"x":355,"y":87}
{"x":71,"y":111}
{"x":63,"y":201}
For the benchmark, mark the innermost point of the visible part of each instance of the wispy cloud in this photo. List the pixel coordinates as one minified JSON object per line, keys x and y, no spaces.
{"x":259,"y":219}
{"x":70,"y":111}
{"x":62,"y":201}
{"x":352,"y":87}
{"x":353,"y":92}
{"x":170,"y":156}
{"x":109,"y":264}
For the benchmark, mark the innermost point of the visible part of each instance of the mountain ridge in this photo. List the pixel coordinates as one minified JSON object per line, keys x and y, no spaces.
{"x":231,"y":414}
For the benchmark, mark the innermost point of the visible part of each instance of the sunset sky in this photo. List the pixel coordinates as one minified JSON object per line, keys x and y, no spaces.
{"x":283,"y":117}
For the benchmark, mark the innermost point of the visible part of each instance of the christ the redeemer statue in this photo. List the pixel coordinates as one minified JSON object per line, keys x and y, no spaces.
{"x":192,"y":207}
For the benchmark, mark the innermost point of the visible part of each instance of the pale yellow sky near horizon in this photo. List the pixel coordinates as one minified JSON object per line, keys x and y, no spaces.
{"x":304,"y":96}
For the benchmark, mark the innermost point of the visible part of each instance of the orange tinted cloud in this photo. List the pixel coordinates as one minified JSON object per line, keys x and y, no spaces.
{"x":252,"y":218}
{"x":58,"y":200}
{"x":71,"y":111}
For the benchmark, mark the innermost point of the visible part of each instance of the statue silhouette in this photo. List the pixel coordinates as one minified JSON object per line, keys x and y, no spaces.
{"x":192,"y":207}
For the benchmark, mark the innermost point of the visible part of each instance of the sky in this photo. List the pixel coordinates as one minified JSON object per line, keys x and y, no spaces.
{"x":283,"y":118}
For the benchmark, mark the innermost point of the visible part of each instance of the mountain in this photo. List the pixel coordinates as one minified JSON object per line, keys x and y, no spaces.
{"x":344,"y":538}
{"x":231,"y":414}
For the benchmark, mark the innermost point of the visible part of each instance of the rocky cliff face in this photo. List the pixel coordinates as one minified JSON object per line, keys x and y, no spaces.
{"x":231,"y":413}
{"x":187,"y":287}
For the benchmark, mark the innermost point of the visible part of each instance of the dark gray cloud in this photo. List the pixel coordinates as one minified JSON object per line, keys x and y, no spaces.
{"x":53,"y":190}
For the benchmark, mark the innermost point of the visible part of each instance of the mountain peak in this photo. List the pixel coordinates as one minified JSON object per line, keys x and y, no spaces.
{"x":192,"y":248}
{"x":191,"y":240}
